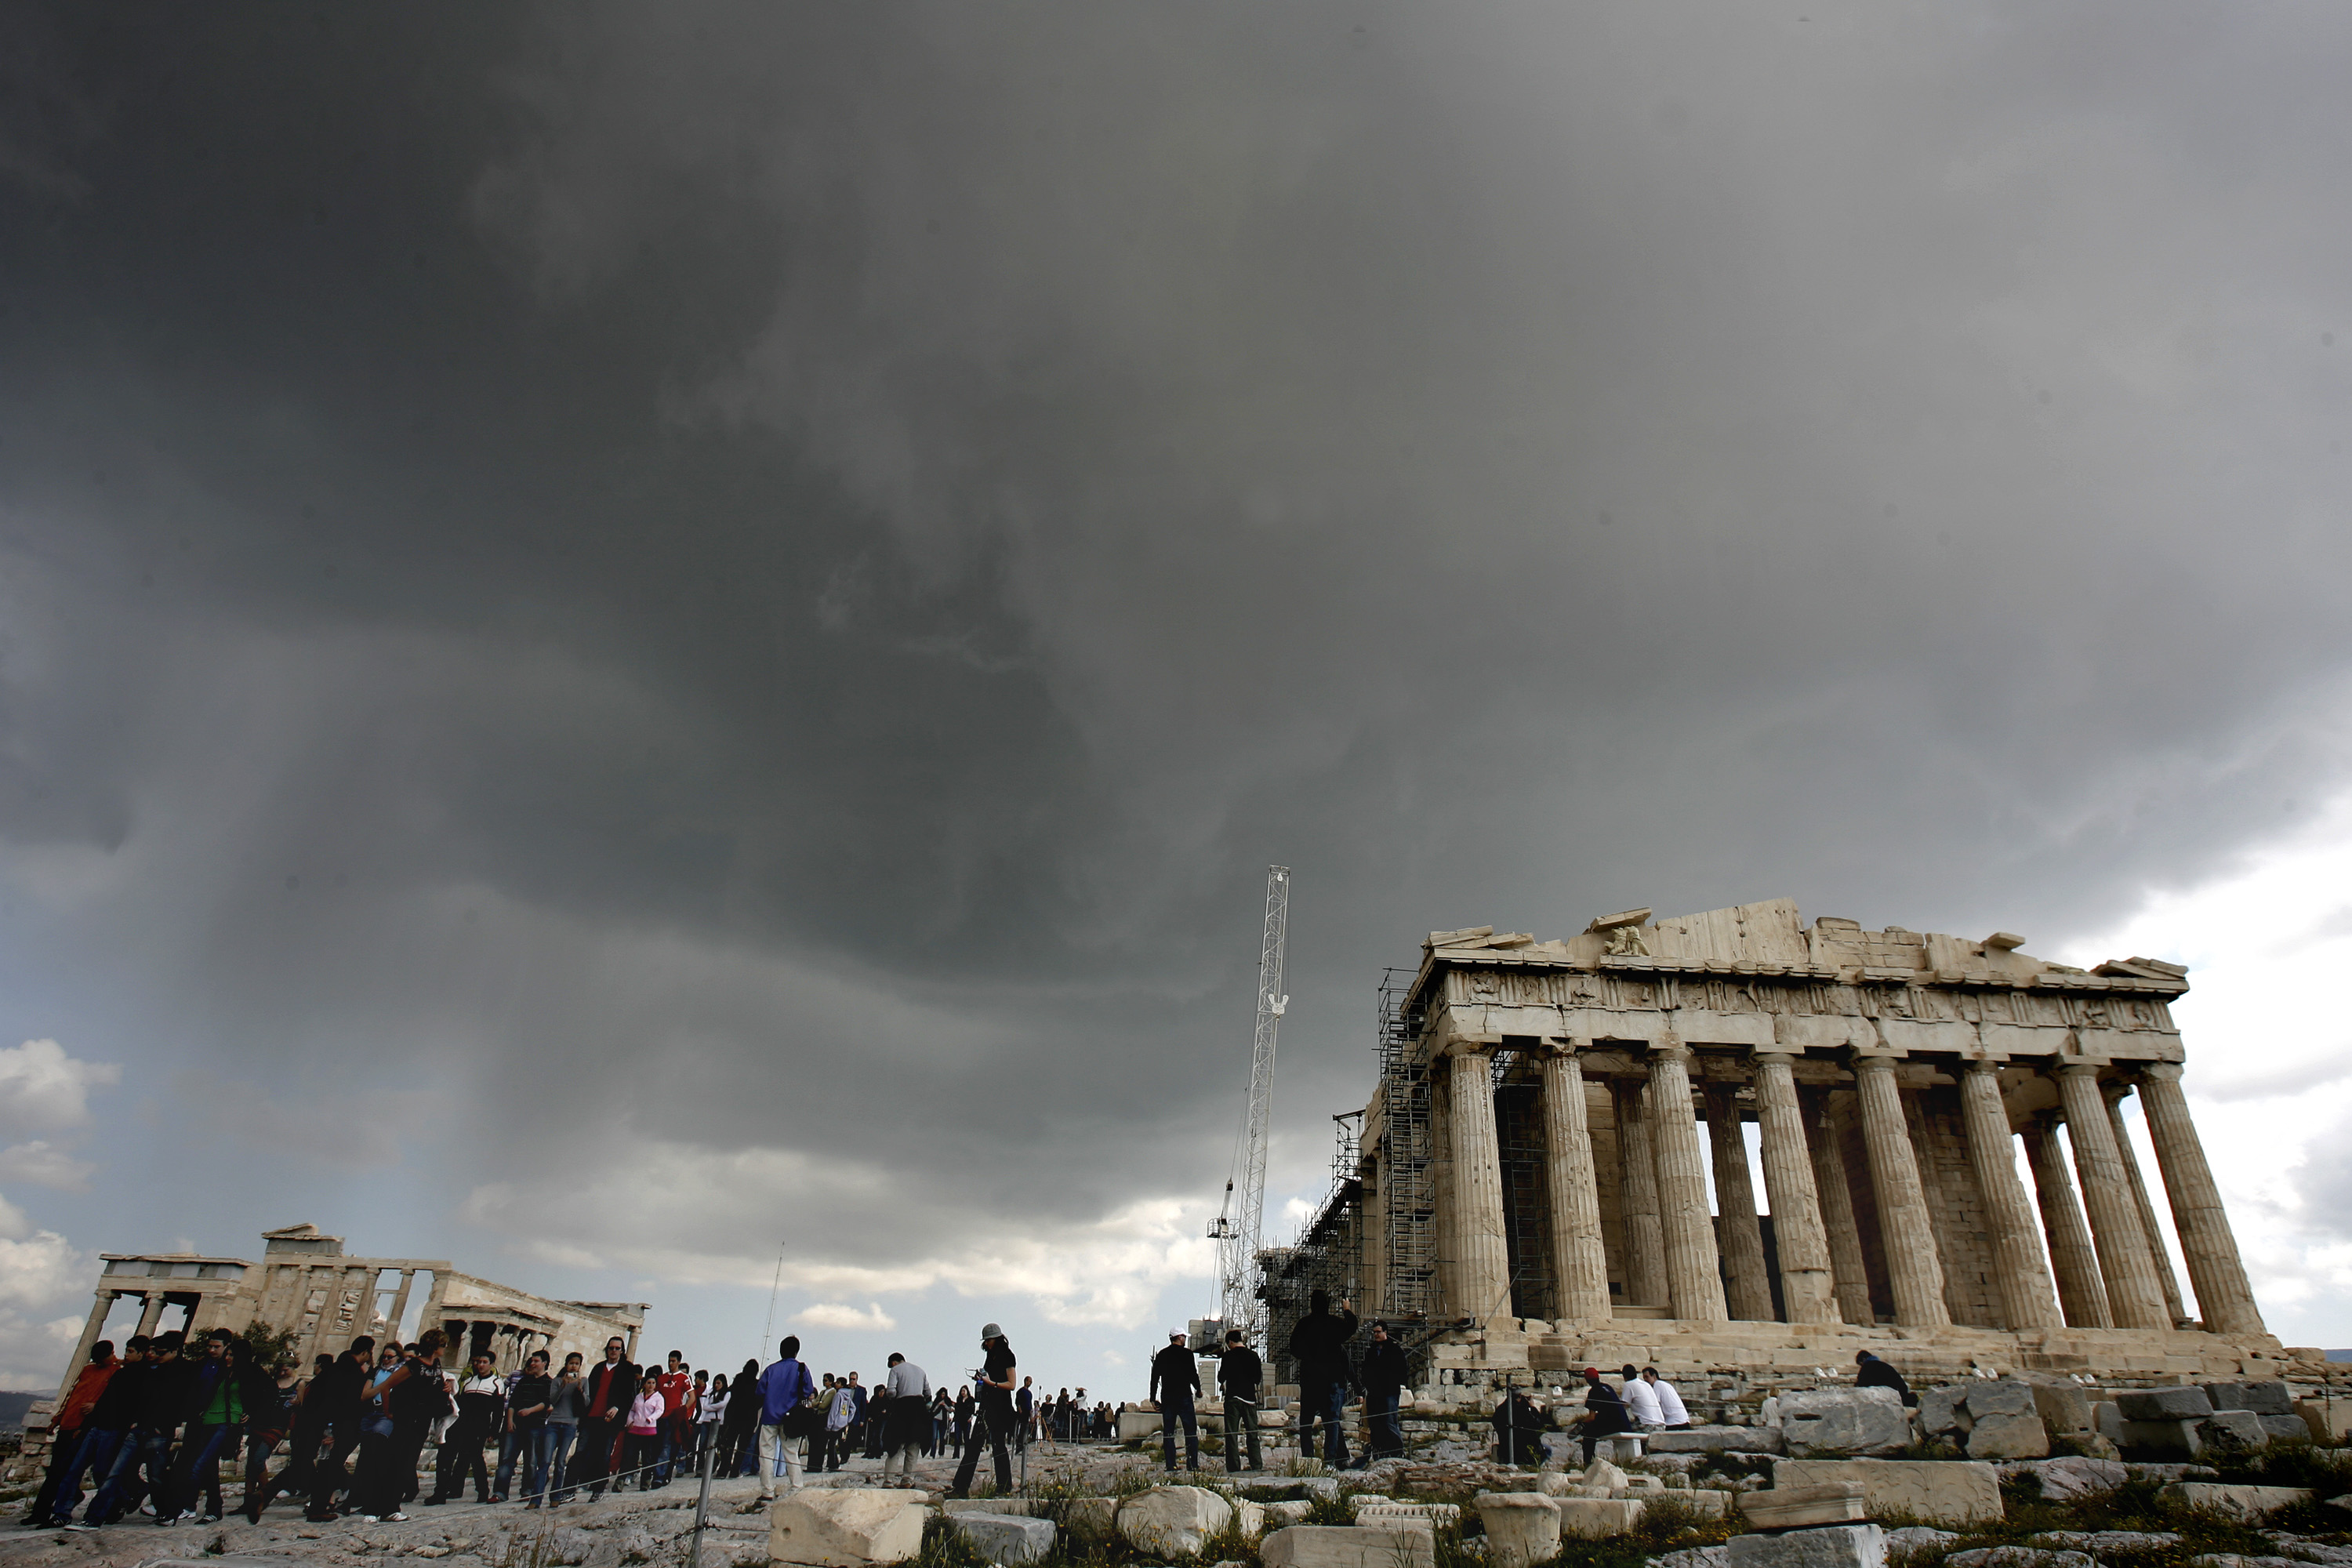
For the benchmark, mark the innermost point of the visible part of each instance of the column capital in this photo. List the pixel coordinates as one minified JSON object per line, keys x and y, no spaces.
{"x":1670,"y":1048}
{"x":2162,"y":1072}
{"x":2079,"y":1069}
{"x":1863,"y":1062}
{"x":1776,"y":1049}
{"x":1984,"y":1067}
{"x":1461,"y":1046}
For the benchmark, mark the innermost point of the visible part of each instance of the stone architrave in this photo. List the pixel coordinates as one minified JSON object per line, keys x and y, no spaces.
{"x":2027,"y":1300}
{"x":2224,"y":1301}
{"x":1581,"y":1265}
{"x":1804,"y":1510}
{"x":1694,"y":1284}
{"x":2080,"y":1290}
{"x":2115,"y":1095}
{"x":1807,"y":1282}
{"x":1645,"y":1241}
{"x":1747,"y":1293}
{"x":2133,"y":1298}
{"x":1006,"y":1538}
{"x":1840,"y":1226}
{"x":1347,"y":1546}
{"x":1942,"y":1491}
{"x":1482,"y":1259}
{"x":1914,"y":1274}
{"x":1827,"y":1421}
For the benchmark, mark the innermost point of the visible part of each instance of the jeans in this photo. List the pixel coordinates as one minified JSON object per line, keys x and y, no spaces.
{"x":551,"y":1448}
{"x":1171,"y":1411}
{"x":511,"y":1454}
{"x":95,"y":1454}
{"x":1241,"y":1427}
{"x":1324,"y":1402}
{"x":1387,"y":1440}
{"x":993,"y":1425}
{"x":779,"y":1456}
{"x":123,"y":1489}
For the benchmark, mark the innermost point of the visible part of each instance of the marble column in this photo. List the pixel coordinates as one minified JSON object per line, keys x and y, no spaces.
{"x":150,"y":1313}
{"x":2133,"y":1298}
{"x":2027,"y":1300}
{"x":1482,"y":1264}
{"x":2161,"y":1260}
{"x":1581,"y":1266}
{"x":400,"y":1300}
{"x":1807,"y":1292}
{"x":1694,"y":1279}
{"x":1748,"y":1291}
{"x":2081,"y":1292}
{"x":1848,"y":1267}
{"x":2224,"y":1301}
{"x":1645,"y":1243}
{"x":1905,"y":1232}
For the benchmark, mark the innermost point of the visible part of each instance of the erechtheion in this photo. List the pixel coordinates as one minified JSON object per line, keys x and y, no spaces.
{"x":1526,"y":1185}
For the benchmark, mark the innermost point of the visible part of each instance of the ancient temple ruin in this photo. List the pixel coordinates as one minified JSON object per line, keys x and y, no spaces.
{"x":1527,"y":1189}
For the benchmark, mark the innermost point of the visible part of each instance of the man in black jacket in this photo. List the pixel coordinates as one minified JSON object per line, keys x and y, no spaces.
{"x":611,"y":1385}
{"x":336,"y":1392}
{"x":103,"y":1433}
{"x":1384,"y":1375}
{"x":1873,"y":1372}
{"x":1239,"y":1373}
{"x":143,"y":1465}
{"x":1175,"y":1380}
{"x":1605,"y":1413}
{"x":1319,"y":1346}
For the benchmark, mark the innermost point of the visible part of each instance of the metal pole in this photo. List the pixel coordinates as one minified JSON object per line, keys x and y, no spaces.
{"x":701,"y":1505}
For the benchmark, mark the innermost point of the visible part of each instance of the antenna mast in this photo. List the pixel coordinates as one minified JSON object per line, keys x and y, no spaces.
{"x":1237,"y":1233}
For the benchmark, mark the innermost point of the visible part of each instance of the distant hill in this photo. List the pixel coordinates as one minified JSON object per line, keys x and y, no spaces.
{"x":13,"y":1405}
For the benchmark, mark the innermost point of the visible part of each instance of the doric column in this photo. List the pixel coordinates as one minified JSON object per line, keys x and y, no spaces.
{"x":1637,"y":1189}
{"x":2224,"y":1301}
{"x":1847,"y":1267}
{"x":1806,"y":1279}
{"x":1582,"y":1266}
{"x":1694,"y":1279}
{"x":2081,"y":1292}
{"x":90,"y":1332}
{"x":2026,"y":1298}
{"x":400,"y":1300}
{"x":2159,"y":1258}
{"x":1483,"y":1266}
{"x":1905,"y":1233}
{"x":150,"y":1312}
{"x":1749,"y":1293}
{"x":2133,"y":1298}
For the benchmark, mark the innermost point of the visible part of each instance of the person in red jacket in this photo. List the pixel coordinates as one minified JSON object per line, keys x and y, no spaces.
{"x":65,"y":1430}
{"x":611,"y":1386}
{"x":677,"y":1386}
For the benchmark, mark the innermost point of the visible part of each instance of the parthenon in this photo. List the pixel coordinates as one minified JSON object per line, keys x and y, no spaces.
{"x":1529,"y":1183}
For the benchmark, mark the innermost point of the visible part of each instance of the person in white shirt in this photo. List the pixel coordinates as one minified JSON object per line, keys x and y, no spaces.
{"x":1669,"y":1403}
{"x":907,"y":1417}
{"x":1640,"y":1402}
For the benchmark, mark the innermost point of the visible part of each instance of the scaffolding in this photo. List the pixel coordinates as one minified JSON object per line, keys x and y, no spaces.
{"x":1327,"y":1256}
{"x":1527,"y":1196}
{"x":1408,"y":1217}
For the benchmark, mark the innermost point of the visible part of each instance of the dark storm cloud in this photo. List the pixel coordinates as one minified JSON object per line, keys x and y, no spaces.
{"x":765,"y":579}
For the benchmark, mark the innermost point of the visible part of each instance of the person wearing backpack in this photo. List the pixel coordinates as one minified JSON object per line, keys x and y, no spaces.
{"x":788,"y":1415}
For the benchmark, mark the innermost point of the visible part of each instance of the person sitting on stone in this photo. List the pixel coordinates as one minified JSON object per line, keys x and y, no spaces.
{"x":1640,"y":1400}
{"x":1605,"y":1413}
{"x":1518,"y":1429}
{"x":1671,"y":1412}
{"x":1877,"y":1373}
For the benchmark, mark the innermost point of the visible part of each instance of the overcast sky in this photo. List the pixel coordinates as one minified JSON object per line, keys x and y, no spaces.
{"x":631,"y":633}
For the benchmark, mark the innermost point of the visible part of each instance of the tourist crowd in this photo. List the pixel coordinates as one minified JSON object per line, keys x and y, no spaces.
{"x":148,"y":1432}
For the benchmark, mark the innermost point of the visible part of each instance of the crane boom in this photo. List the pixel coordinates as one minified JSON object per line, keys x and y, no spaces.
{"x":1237,"y":1228}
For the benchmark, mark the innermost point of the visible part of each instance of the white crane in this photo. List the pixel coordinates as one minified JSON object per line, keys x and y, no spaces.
{"x":1236,"y":1227}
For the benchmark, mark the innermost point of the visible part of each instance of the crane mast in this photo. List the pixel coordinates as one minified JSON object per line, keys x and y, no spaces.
{"x":1237,"y":1227}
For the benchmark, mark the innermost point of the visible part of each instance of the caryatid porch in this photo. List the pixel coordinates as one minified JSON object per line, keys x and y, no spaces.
{"x":1888,"y":1075}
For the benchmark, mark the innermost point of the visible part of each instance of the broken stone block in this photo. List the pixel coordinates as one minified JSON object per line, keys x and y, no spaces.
{"x":2163,"y":1404}
{"x":1794,"y":1507}
{"x":2285,"y":1428}
{"x":2062,"y":1406}
{"x":2072,"y":1475}
{"x":2108,"y":1420}
{"x":1600,"y":1478}
{"x":2224,"y":1395}
{"x":1175,"y":1522}
{"x":2271,"y":1398}
{"x":1830,"y":1421}
{"x":1522,"y":1528}
{"x":1998,"y":1396}
{"x":2232,"y":1431}
{"x":1347,"y":1546}
{"x":1949,"y":1491}
{"x":1005,"y":1537}
{"x":1838,"y":1546}
{"x":2008,"y":1436}
{"x":1594,"y":1517}
{"x":1716,"y":1440}
{"x":1278,"y":1514}
{"x":1389,"y":1513}
{"x":2246,"y":1502}
{"x":2330,"y":1420}
{"x":837,"y":1528}
{"x":1941,"y":1410}
{"x":2162,"y":1439}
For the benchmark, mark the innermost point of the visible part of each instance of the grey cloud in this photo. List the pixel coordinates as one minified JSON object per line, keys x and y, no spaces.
{"x":765,"y":579}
